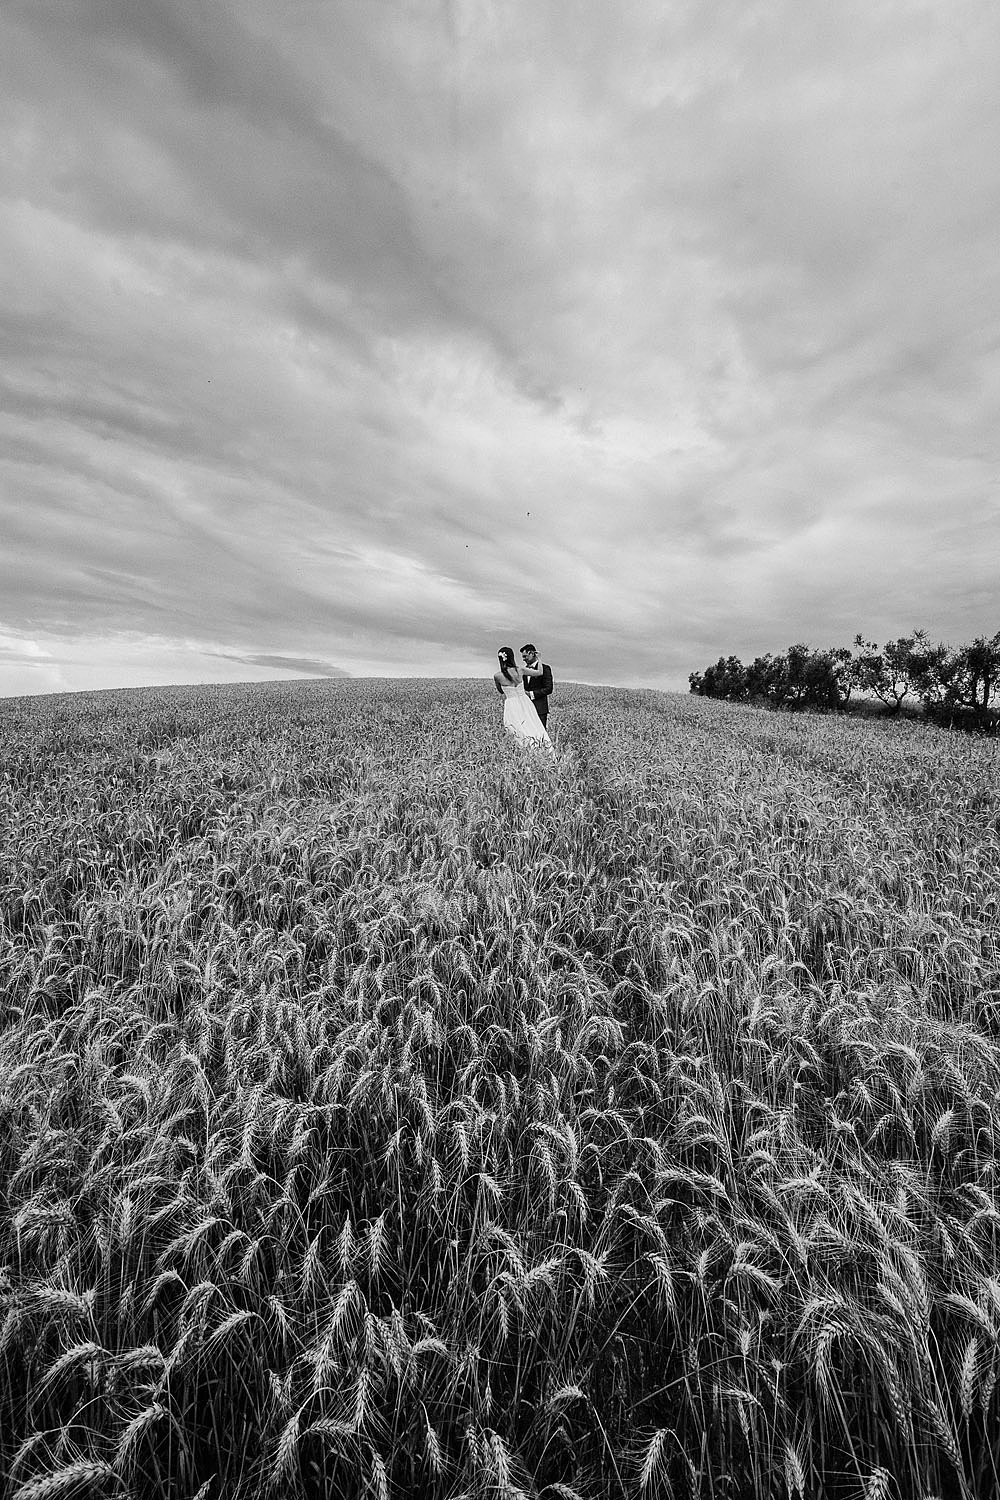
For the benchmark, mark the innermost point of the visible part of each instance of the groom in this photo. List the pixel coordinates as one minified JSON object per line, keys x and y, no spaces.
{"x":537,"y":688}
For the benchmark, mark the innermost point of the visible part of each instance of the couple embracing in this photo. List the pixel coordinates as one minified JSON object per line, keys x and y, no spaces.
{"x":525,"y":691}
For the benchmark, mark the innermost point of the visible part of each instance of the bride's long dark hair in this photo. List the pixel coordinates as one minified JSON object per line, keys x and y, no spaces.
{"x":505,"y":656}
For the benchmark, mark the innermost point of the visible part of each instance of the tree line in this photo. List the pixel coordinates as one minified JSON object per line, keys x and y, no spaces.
{"x":957,"y":686}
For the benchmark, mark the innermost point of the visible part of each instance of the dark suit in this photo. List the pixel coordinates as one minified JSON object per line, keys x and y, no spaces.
{"x":538,"y":690}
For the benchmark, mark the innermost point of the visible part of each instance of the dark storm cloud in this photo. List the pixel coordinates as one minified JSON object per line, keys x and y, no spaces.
{"x":309,"y":666}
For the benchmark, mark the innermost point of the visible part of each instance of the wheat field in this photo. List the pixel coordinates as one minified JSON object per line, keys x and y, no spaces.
{"x":384,"y":1113}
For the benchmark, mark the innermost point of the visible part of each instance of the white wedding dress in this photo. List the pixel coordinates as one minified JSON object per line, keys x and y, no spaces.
{"x":520,"y":719}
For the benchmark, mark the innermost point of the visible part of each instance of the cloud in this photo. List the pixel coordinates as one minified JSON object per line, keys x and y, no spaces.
{"x":649,"y":332}
{"x":307,"y":665}
{"x":175,"y":119}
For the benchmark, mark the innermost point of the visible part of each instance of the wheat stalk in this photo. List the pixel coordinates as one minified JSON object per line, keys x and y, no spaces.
{"x":83,"y":1478}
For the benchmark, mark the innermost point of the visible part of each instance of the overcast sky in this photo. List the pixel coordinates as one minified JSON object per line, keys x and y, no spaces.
{"x":364,"y":336}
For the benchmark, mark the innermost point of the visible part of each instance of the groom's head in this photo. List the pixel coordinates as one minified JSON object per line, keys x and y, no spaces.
{"x":530,"y":654}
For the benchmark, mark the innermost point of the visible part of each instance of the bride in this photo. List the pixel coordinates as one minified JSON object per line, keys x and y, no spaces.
{"x":520,"y":720}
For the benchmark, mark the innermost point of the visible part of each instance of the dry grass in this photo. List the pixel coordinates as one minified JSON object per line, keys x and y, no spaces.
{"x":383,"y":1115}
